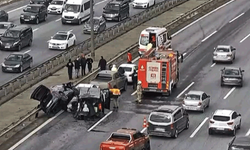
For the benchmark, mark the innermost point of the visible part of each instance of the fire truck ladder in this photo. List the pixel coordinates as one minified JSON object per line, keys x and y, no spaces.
{"x":163,"y":75}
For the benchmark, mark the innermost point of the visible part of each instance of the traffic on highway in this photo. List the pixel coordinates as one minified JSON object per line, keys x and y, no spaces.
{"x":193,"y":99}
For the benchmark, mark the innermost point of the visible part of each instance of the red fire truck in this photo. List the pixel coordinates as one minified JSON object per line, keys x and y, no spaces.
{"x":158,"y":70}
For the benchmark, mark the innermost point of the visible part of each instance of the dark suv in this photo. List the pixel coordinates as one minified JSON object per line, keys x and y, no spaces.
{"x":232,"y":76}
{"x":116,"y":10}
{"x":168,"y":121}
{"x":16,"y":38}
{"x":239,"y":143}
{"x":34,"y":13}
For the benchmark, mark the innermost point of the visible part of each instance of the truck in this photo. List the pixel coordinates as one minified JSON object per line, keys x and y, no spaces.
{"x":156,"y":36}
{"x":126,"y":139}
{"x":158,"y":70}
{"x":107,"y":79}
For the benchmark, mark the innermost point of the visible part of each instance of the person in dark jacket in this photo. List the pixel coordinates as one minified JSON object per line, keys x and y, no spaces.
{"x":70,"y":66}
{"x":83,"y":64}
{"x":77,"y":66}
{"x":89,"y":62}
{"x":102,"y":63}
{"x":134,"y":79}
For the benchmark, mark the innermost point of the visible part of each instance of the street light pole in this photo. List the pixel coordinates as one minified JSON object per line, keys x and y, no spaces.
{"x":92,"y":29}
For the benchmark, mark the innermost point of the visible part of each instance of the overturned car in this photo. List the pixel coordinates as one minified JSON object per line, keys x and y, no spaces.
{"x":90,"y":102}
{"x":54,"y":99}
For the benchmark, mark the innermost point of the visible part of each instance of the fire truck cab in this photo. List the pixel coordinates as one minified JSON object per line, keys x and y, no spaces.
{"x":156,"y":36}
{"x":158,"y":70}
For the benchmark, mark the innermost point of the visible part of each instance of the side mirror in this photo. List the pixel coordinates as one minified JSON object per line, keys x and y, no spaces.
{"x":242,"y":70}
{"x":104,"y":8}
{"x":24,"y":10}
{"x":170,"y":38}
{"x":214,"y":48}
{"x":208,"y":96}
{"x":234,"y":49}
{"x":239,"y":114}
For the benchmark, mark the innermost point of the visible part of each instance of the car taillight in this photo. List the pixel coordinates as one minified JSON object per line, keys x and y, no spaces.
{"x":229,"y":55}
{"x":230,"y":123}
{"x":211,"y":121}
{"x":100,"y":106}
{"x":199,"y":104}
{"x":172,"y":126}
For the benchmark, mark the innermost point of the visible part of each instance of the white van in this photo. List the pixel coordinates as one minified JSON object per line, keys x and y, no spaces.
{"x":76,"y":11}
{"x":156,"y":36}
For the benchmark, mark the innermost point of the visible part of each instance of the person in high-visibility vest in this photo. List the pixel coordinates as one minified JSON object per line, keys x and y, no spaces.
{"x":139,"y":92}
{"x":129,"y":59}
{"x":115,"y":94}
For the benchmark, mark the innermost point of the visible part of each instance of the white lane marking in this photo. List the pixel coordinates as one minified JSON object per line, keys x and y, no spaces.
{"x":191,"y":84}
{"x":137,"y":58}
{"x":58,"y":19}
{"x":27,"y":51}
{"x":199,"y":127}
{"x":230,"y":92}
{"x":178,"y":32}
{"x":208,"y":36}
{"x":213,"y":64}
{"x":143,"y":130}
{"x":134,"y":93}
{"x":100,"y":121}
{"x":16,"y":9}
{"x":236,"y":17}
{"x":244,"y":38}
{"x":248,"y":133}
{"x":100,"y":2}
{"x":34,"y":131}
{"x":35,"y":29}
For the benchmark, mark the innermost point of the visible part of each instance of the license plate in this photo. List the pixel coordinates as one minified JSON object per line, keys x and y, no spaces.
{"x":191,"y":108}
{"x":151,"y":89}
{"x":8,"y":68}
{"x":108,"y":18}
{"x":55,"y":47}
{"x":160,"y":129}
{"x":220,"y":128}
{"x":7,"y":46}
{"x":26,"y":20}
{"x":68,"y":21}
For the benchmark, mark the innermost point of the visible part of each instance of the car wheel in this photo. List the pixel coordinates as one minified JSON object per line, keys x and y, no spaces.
{"x":45,"y":17}
{"x":203,"y":110}
{"x":241,"y":84}
{"x":30,"y":43}
{"x":19,"y":47}
{"x":148,"y":6}
{"x":67,"y":46}
{"x":79,"y":22}
{"x":21,"y":22}
{"x":176,"y":134}
{"x":37,"y":20}
{"x":125,"y":86}
{"x":239,"y":126}
{"x":210,"y":132}
{"x":63,"y":22}
{"x":221,"y":84}
{"x":187,"y":125}
{"x":21,"y":69}
{"x":154,"y":3}
{"x":208,"y":104}
{"x":119,"y":19}
{"x":234,"y":132}
{"x":147,"y":146}
{"x":74,"y":43}
{"x":31,"y":64}
{"x":213,"y":62}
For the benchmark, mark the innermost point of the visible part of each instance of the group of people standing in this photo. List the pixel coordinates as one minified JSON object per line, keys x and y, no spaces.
{"x":79,"y":63}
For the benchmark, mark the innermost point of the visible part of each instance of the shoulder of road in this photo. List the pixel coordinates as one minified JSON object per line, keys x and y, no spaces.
{"x":21,"y":105}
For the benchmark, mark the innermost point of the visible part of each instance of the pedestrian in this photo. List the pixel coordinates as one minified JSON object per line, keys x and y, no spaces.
{"x":102,"y":63}
{"x":134,"y":79}
{"x":129,"y":59}
{"x":89,"y":62}
{"x":83,"y":62}
{"x":77,"y":66}
{"x":70,"y":66}
{"x":115,"y":94}
{"x":114,"y":68}
{"x":139,"y":92}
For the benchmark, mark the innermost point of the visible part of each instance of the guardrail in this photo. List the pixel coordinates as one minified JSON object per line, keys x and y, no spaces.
{"x":33,"y":76}
{"x":174,"y":26}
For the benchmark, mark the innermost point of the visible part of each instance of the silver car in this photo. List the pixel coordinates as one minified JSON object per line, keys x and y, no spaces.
{"x":196,"y":101}
{"x":224,"y":53}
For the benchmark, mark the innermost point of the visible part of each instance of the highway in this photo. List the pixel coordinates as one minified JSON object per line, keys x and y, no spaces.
{"x":44,"y":30}
{"x":197,"y":72}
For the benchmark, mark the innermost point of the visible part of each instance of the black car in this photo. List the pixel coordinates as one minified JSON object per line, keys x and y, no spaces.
{"x":116,"y":10}
{"x":232,"y":76}
{"x":239,"y":143}
{"x":4,"y":16}
{"x":44,"y":2}
{"x":99,"y":25}
{"x":34,"y":13}
{"x":4,"y":26}
{"x":16,"y":38}
{"x":168,"y":121}
{"x":17,"y":62}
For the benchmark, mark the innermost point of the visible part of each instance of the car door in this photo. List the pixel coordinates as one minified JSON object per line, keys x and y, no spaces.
{"x":204,"y":100}
{"x":178,"y":120}
{"x":137,"y":141}
{"x":235,"y":118}
{"x":26,"y":62}
{"x":23,"y":39}
{"x":232,"y":50}
{"x":71,"y":39}
{"x":103,"y":22}
{"x":116,"y":80}
{"x":123,"y":10}
{"x":122,"y":79}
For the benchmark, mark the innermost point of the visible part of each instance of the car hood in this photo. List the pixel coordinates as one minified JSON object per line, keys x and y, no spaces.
{"x":57,"y":41}
{"x":87,"y":26}
{"x":70,"y":13}
{"x":40,"y":93}
{"x":140,"y":1}
{"x":11,"y":63}
{"x":231,"y":76}
{"x":55,"y":6}
{"x":29,"y":14}
{"x":8,"y":40}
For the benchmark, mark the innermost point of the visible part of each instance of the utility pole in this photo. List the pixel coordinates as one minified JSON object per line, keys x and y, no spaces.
{"x":92,"y":29}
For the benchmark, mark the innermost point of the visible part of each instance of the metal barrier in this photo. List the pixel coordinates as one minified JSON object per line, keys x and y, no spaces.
{"x":34,"y":75}
{"x":172,"y":27}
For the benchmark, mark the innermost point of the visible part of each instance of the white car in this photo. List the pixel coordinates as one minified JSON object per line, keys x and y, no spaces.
{"x":62,"y":40}
{"x":224,"y":121}
{"x":129,"y":69}
{"x":56,"y":7}
{"x":224,"y":53}
{"x":143,"y":3}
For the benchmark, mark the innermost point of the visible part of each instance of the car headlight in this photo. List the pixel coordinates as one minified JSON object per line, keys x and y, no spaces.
{"x":22,"y":16}
{"x":33,"y":16}
{"x":16,"y":66}
{"x":16,"y":43}
{"x":3,"y":64}
{"x":115,"y":14}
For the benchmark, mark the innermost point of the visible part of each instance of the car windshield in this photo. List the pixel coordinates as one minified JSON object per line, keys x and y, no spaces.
{"x":12,"y":34}
{"x":33,"y":9}
{"x":114,"y":7}
{"x":221,"y":49}
{"x":238,"y":148}
{"x":4,"y":26}
{"x":144,"y":40}
{"x":89,"y":92}
{"x":13,"y":57}
{"x":232,"y":72}
{"x":193,"y":97}
{"x":57,"y":2}
{"x":104,"y":77}
{"x":96,"y":21}
{"x":72,"y":8}
{"x":60,"y":37}
{"x":160,"y":118}
{"x":221,"y":118}
{"x":127,"y":69}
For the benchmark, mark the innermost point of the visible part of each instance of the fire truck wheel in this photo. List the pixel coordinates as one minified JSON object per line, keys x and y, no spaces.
{"x":175,"y":86}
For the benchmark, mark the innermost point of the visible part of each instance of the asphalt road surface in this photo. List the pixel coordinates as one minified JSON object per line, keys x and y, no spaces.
{"x":65,"y":133}
{"x":44,"y":30}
